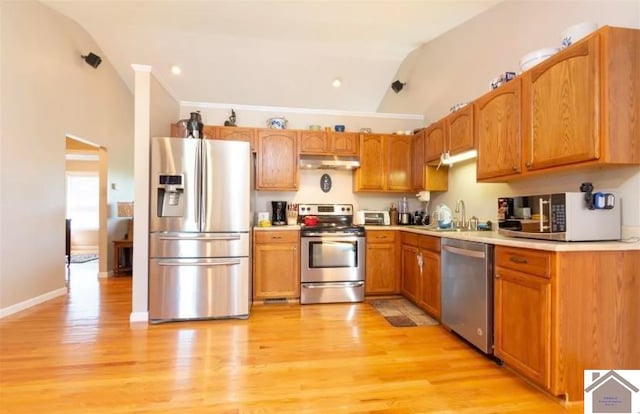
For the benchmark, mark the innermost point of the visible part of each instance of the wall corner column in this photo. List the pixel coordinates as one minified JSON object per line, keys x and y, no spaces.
{"x":142,"y":116}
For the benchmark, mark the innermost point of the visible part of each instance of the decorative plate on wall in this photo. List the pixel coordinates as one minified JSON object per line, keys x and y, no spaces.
{"x":325,"y":183}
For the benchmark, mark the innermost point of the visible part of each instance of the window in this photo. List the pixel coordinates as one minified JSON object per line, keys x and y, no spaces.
{"x":82,"y":200}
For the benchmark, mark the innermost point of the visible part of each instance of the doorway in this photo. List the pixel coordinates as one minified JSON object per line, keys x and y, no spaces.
{"x":86,"y":197}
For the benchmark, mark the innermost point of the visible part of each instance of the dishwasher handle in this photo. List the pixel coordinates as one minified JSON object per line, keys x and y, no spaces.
{"x":465,"y":252}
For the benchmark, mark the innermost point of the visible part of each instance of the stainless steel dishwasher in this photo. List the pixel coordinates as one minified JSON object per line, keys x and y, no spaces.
{"x":467,"y":291}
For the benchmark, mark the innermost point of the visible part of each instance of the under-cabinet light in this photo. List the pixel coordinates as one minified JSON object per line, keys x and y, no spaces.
{"x":447,"y":159}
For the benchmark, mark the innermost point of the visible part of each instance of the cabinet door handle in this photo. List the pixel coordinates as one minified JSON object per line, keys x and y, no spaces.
{"x":276,"y":237}
{"x":528,"y":164}
{"x":498,"y":276}
{"x":381,"y":237}
{"x":514,"y":168}
{"x":518,"y":259}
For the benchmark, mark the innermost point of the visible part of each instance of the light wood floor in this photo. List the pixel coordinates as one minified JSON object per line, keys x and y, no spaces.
{"x":78,"y":354}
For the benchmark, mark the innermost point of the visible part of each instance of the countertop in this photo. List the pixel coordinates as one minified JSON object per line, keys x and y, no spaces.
{"x":277,"y":228}
{"x":494,"y":238}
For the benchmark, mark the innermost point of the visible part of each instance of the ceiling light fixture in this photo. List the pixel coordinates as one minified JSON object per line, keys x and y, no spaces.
{"x":337,"y":82}
{"x":175,"y":69}
{"x":397,"y":86}
{"x":92,"y":60}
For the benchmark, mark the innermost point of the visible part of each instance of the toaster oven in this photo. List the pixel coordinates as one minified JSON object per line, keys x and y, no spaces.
{"x":372,"y":218}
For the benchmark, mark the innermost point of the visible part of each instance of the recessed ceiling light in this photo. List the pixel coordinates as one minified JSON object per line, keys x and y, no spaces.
{"x":337,"y":82}
{"x":175,"y":69}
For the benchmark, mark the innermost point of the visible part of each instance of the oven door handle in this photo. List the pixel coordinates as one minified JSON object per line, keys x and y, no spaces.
{"x":332,"y":285}
{"x":333,"y":236}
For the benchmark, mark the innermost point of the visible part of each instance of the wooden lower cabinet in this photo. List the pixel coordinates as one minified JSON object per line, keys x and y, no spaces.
{"x":559,"y":313}
{"x":410,"y":272}
{"x":429,"y":297}
{"x":420,"y":270}
{"x":522,"y":311}
{"x":276,"y":264}
{"x":381,"y":263}
{"x":522,"y":319}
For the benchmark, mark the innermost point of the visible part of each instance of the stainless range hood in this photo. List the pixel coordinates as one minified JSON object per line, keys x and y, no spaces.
{"x":328,"y":162}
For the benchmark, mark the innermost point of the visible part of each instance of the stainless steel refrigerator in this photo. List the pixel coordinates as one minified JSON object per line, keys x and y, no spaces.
{"x":200,"y":223}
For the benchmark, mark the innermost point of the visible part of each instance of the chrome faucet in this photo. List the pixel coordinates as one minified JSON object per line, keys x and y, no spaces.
{"x":460,"y":209}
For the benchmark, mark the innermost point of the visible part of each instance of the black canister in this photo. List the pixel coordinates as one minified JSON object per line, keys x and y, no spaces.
{"x":194,"y":126}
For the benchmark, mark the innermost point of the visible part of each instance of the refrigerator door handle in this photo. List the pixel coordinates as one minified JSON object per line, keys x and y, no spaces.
{"x":202,"y":217}
{"x":198,"y":181}
{"x":224,"y":262}
{"x":218,"y":237}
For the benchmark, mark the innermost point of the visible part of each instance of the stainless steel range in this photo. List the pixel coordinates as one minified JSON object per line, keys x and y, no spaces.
{"x":332,"y":254}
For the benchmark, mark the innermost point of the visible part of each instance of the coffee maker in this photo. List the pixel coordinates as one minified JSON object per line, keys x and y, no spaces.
{"x":279,"y":213}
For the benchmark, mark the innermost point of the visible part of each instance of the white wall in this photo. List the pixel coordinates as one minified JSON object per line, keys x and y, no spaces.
{"x":53,"y":93}
{"x":301,"y":118}
{"x":458,"y":67}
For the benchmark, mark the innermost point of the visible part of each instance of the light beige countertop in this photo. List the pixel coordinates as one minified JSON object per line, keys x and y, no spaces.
{"x":277,"y":228}
{"x":493,"y":237}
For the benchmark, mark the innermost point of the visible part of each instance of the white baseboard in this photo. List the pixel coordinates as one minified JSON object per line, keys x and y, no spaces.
{"x":10,"y":310}
{"x":104,"y":274}
{"x":137,"y":317}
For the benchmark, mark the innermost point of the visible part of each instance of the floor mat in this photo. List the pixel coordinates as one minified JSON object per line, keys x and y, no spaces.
{"x":401,"y":313}
{"x":83,"y":258}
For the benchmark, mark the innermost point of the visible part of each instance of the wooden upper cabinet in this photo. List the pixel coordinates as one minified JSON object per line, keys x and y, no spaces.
{"x":277,"y":160}
{"x":329,"y":143}
{"x":562,"y":97}
{"x":453,"y":133}
{"x":581,"y":105}
{"x":417,"y":160}
{"x":344,"y":143}
{"x":497,"y":132}
{"x":459,"y":130}
{"x":371,"y":174}
{"x":235,"y":134}
{"x":434,"y":141}
{"x":315,"y":142}
{"x":399,"y":163}
{"x":385,"y":163}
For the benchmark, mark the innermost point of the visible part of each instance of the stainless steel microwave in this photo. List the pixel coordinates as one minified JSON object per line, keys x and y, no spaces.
{"x":558,"y":216}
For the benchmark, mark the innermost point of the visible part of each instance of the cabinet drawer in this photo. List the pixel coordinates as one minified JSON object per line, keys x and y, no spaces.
{"x":410,"y":239}
{"x":277,"y":236}
{"x":380,"y":236}
{"x":533,"y":262}
{"x":429,"y":243}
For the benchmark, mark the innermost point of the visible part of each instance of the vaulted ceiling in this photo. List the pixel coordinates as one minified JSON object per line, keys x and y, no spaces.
{"x":269,"y":53}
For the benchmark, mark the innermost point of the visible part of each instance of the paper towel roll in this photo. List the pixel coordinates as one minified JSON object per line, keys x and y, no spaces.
{"x":424,"y":196}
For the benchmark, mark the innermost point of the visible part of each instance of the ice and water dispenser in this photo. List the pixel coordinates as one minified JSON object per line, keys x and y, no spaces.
{"x":170,"y":195}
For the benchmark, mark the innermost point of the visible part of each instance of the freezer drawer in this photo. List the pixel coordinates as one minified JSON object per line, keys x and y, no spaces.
{"x":192,"y":245}
{"x":331,"y":292}
{"x":198,"y":289}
